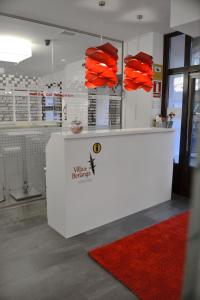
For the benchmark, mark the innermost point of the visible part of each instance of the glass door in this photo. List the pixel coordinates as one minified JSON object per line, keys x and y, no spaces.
{"x":181,"y":69}
{"x":186,"y":124}
{"x":195,"y":118}
{"x":189,"y":153}
{"x":175,"y":104}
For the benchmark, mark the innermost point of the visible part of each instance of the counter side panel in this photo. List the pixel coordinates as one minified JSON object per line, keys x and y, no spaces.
{"x":56,"y":184}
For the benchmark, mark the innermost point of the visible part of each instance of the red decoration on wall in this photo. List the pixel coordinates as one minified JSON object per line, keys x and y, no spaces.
{"x":101,"y":66}
{"x":138,"y":72}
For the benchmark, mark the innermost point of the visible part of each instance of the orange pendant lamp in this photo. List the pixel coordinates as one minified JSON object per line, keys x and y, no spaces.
{"x":101,"y":66}
{"x":138,"y":73}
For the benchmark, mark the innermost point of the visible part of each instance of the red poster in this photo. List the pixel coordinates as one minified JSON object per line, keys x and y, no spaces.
{"x":157,"y":88}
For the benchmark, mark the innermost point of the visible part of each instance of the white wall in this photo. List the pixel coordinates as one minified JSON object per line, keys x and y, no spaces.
{"x":137,"y":105}
{"x":185,"y":16}
{"x":184,"y":11}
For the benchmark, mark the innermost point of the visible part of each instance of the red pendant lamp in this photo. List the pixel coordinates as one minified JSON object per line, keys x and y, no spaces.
{"x":101,"y":66}
{"x":138,"y":72}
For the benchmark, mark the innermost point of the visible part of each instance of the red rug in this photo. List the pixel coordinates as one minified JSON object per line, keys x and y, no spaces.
{"x":149,"y":262}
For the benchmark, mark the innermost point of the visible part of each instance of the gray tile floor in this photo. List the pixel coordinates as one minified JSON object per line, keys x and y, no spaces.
{"x":36,"y":263}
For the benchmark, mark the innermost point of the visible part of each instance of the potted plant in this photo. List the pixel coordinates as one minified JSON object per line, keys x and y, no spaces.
{"x":164,"y":121}
{"x":171,"y":116}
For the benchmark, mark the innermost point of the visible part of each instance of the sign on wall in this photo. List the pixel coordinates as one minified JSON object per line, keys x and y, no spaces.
{"x":75,"y":107}
{"x":158,"y":72}
{"x":157,"y":89}
{"x":97,"y":148}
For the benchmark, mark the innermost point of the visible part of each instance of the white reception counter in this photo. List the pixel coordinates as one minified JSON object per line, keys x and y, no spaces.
{"x":97,"y":177}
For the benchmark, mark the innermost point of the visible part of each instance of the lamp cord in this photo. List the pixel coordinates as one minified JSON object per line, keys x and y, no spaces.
{"x":52,"y":57}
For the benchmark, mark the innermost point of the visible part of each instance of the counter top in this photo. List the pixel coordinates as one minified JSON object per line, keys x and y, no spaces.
{"x":114,"y":132}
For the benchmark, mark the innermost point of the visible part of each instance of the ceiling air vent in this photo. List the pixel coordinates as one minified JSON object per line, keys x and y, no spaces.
{"x":66,"y":32}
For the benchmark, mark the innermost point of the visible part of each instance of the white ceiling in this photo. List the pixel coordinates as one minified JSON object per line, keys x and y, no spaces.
{"x":185,"y":16}
{"x":118,"y":19}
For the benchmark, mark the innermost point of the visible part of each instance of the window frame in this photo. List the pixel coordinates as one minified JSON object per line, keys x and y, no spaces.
{"x":186,"y":70}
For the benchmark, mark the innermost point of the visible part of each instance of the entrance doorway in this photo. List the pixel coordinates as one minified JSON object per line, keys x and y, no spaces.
{"x":194,"y":124}
{"x":181,"y":95}
{"x":186,"y":125}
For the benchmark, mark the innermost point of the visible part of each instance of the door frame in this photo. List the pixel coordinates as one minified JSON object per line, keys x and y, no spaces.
{"x":186,"y":169}
{"x":192,"y":78}
{"x":183,"y":172}
{"x":181,"y":175}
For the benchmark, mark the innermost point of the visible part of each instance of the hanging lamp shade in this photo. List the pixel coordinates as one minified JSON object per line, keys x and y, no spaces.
{"x":138,"y":72}
{"x":101,"y":66}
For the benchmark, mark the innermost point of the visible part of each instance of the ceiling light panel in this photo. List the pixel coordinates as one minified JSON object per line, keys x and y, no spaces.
{"x":13,"y":49}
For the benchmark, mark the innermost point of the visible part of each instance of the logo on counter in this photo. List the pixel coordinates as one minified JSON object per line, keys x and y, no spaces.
{"x":80,"y":172}
{"x":92,"y":165}
{"x":83,"y":173}
{"x":97,"y":148}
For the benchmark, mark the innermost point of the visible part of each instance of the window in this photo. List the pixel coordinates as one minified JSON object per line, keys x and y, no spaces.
{"x":50,"y":85}
{"x":195,"y":124}
{"x":177,"y":52}
{"x":175,"y":104}
{"x":195,"y":51}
